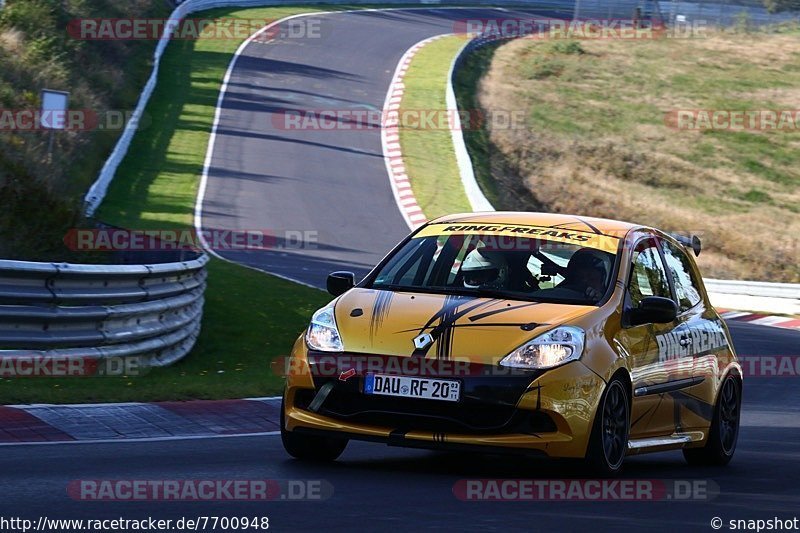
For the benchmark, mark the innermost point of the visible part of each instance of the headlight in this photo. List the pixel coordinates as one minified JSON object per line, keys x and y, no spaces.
{"x":550,"y":349}
{"x":322,"y":333}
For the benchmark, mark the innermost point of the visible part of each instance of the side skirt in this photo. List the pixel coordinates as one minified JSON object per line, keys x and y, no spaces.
{"x":671,"y":442}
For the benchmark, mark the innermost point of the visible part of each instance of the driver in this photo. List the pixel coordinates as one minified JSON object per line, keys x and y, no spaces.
{"x":484,"y":269}
{"x":586,"y":273}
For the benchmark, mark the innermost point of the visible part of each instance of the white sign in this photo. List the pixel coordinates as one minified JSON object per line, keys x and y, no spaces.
{"x":54,"y":109}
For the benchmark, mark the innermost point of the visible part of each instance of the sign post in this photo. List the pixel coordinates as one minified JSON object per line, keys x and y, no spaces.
{"x":54,"y":114}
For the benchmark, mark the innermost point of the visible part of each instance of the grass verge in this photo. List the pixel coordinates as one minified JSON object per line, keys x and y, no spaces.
{"x":44,"y":175}
{"x":600,"y":139}
{"x":428,"y":150}
{"x":250,"y":318}
{"x":428,"y":153}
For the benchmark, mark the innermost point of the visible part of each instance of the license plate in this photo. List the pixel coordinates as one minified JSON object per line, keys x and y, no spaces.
{"x":412,"y":387}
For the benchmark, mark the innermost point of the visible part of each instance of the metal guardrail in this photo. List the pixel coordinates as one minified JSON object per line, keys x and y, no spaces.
{"x":477,"y":199}
{"x":754,"y":288}
{"x":151,"y":312}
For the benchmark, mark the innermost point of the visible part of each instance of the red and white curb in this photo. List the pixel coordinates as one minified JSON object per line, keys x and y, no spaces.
{"x":390,"y":141}
{"x":786,"y":322}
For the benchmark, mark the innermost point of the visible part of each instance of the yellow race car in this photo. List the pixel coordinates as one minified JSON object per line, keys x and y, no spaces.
{"x":520,"y":332}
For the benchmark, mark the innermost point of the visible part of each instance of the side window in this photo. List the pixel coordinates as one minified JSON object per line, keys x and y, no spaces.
{"x":686,"y":286}
{"x":648,"y":277}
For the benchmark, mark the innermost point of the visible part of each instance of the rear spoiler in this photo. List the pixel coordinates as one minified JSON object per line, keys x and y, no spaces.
{"x":692,"y":242}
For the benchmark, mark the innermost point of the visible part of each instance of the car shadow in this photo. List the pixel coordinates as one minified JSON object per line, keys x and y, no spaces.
{"x":669,"y":465}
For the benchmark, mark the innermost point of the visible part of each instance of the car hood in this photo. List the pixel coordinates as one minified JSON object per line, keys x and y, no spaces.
{"x":469,"y":328}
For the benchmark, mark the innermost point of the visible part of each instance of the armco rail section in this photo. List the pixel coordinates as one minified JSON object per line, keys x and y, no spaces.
{"x":151,"y":312}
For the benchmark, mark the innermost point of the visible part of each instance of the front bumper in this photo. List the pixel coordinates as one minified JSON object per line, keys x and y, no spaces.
{"x":549,"y":412}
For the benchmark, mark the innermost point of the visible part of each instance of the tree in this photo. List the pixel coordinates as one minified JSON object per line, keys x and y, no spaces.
{"x":776,"y":6}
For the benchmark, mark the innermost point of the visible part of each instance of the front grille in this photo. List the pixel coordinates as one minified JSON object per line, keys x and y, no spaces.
{"x":428,"y":415}
{"x":488,"y":402}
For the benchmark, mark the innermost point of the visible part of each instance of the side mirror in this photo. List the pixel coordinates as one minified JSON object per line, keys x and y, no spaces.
{"x":340,"y":282}
{"x":655,"y":310}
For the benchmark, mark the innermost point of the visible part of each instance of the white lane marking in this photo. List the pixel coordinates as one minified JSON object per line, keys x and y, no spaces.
{"x":769,"y":419}
{"x":263,"y":398}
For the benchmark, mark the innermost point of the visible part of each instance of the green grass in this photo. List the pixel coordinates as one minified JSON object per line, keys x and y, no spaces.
{"x":249,"y":318}
{"x":756,"y":196}
{"x":156,"y":185}
{"x":477,"y":140}
{"x":42,"y":191}
{"x":600,"y":138}
{"x":428,"y":152}
{"x":610,"y":90}
{"x":596,"y":115}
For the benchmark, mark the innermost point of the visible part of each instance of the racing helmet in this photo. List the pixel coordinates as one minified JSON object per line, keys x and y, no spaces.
{"x":484,"y":270}
{"x":587,"y":259}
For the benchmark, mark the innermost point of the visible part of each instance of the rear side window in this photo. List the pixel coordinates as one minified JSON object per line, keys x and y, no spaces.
{"x":648,"y":277}
{"x":679,"y":266}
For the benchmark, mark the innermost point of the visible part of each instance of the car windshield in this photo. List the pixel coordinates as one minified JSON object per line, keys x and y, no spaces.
{"x":495,"y":261}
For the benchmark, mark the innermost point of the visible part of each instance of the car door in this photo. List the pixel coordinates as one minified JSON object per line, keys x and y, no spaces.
{"x":649,"y":346}
{"x":701,"y":337}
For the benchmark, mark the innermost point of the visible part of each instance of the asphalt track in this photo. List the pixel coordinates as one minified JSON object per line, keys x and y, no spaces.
{"x":377,"y":488}
{"x":333,"y":183}
{"x":336,"y":184}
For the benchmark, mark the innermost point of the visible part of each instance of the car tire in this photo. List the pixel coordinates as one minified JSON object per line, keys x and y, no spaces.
{"x":310,"y":447}
{"x":608,"y":443}
{"x":724,"y":430}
